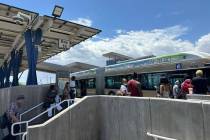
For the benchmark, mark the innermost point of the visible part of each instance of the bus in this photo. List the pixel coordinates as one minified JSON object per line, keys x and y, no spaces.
{"x":174,"y":66}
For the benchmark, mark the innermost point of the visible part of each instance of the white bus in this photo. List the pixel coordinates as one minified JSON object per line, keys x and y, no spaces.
{"x":149,"y":70}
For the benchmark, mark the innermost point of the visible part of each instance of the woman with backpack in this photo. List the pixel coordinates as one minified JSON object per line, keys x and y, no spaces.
{"x":185,"y":87}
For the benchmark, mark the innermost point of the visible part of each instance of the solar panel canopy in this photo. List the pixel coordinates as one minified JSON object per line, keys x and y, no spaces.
{"x":58,"y":35}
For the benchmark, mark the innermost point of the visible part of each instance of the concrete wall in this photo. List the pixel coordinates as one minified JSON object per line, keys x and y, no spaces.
{"x":33,"y":96}
{"x":127,"y":118}
{"x":98,"y":118}
{"x":178,"y":119}
{"x":79,"y":122}
{"x":124,"y":118}
{"x":198,"y":97}
{"x":206,"y":115}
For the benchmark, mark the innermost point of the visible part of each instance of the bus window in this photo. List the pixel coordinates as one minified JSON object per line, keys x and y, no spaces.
{"x":113,"y":82}
{"x":149,"y":81}
{"x":91,"y":83}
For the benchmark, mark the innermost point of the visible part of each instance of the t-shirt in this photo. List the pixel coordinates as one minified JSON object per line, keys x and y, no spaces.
{"x":199,"y":85}
{"x":176,"y":90}
{"x":72,"y":87}
{"x":72,"y":84}
{"x":13,"y":109}
{"x":124,"y":89}
{"x":133,"y":88}
{"x":185,"y":85}
{"x":51,"y":96}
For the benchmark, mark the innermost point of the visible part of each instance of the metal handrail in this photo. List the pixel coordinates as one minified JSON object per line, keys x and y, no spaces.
{"x":29,"y":110}
{"x":156,"y":137}
{"x":27,"y":122}
{"x":24,"y":135}
{"x":19,"y":123}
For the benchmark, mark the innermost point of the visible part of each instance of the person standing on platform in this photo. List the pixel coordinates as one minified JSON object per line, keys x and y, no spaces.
{"x":123,"y":87}
{"x":72,"y":87}
{"x":176,"y":89}
{"x":52,"y":100}
{"x":186,"y":84}
{"x":165,"y":88}
{"x":13,"y":116}
{"x":134,"y":86}
{"x":185,"y":87}
{"x":83,"y":88}
{"x":66,"y":91}
{"x":199,"y":83}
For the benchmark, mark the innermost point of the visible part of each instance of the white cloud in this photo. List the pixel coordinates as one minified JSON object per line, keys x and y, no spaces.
{"x":120,"y":31}
{"x":83,"y":21}
{"x":134,"y":44}
{"x":203,"y":44}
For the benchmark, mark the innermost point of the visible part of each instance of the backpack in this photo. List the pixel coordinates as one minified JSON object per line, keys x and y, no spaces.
{"x":139,"y":89}
{"x":3,"y":121}
{"x":181,"y":95}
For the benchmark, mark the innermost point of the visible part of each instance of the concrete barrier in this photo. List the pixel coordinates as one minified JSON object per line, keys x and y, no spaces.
{"x":98,"y":118}
{"x":79,"y":122}
{"x":182,"y":120}
{"x":206,"y":111}
{"x":127,"y":118}
{"x":33,"y":95}
{"x":198,"y":97}
{"x":124,"y":118}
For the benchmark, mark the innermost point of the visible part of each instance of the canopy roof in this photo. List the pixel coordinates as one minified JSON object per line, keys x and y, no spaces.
{"x":54,"y":30}
{"x":78,"y":66}
{"x":73,"y":67}
{"x":117,"y":56}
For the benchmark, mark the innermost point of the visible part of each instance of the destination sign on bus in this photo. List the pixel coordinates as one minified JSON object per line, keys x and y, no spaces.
{"x":150,"y":61}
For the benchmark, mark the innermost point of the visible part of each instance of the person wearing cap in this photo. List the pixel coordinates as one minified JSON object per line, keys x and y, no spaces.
{"x":176,"y":89}
{"x":13,"y":116}
{"x":199,"y":83}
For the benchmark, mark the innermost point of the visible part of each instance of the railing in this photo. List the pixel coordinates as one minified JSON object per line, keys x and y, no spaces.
{"x":31,"y":109}
{"x":24,"y":133}
{"x":156,"y":137}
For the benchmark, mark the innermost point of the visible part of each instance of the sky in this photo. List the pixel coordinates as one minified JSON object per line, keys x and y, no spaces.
{"x":130,"y":27}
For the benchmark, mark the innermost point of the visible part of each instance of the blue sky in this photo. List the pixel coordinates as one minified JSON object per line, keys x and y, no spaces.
{"x":110,"y":15}
{"x":130,"y":27}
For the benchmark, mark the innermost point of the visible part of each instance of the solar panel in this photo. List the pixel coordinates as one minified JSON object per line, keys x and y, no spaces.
{"x":54,"y":31}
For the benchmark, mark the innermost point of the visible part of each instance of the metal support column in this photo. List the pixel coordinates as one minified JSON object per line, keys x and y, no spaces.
{"x":9,"y":69}
{"x":16,"y":67}
{"x":32,"y":40}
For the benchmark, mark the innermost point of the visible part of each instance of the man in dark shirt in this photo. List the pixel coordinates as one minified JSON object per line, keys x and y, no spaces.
{"x":199,"y":83}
